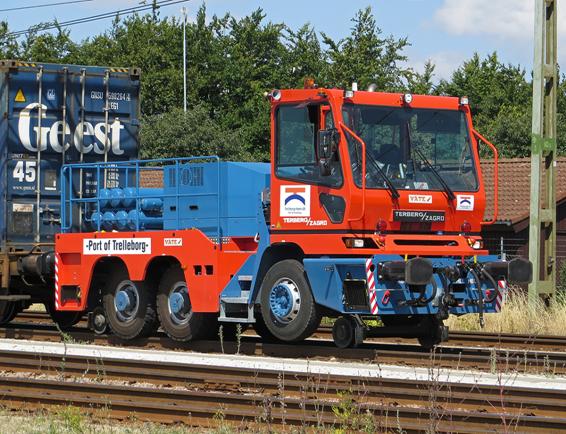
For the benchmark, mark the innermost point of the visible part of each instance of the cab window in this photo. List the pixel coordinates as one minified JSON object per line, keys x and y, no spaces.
{"x":297,"y":128}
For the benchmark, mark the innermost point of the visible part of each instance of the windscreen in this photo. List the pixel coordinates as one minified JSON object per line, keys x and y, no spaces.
{"x":415,"y":149}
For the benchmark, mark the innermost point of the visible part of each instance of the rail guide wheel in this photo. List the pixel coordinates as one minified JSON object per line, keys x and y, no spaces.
{"x":347,"y":333}
{"x":98,"y":322}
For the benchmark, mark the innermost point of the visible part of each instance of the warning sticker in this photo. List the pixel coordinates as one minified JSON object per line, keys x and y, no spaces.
{"x":117,"y":246}
{"x":20,"y":96}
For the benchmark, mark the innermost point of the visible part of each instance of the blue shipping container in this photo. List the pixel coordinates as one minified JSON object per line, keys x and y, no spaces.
{"x":53,"y":115}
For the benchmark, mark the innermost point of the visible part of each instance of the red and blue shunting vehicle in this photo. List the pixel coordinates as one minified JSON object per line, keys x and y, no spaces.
{"x":371,"y":208}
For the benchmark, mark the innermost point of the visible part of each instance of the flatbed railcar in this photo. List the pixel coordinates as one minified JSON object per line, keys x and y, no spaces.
{"x":371,"y":208}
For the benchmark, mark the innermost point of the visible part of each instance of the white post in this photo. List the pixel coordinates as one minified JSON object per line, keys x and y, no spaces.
{"x":184,"y":12}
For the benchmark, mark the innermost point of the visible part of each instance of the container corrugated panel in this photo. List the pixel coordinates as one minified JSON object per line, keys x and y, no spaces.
{"x":56,"y":114}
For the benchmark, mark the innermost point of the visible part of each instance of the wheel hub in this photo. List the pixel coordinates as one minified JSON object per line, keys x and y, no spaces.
{"x":285,"y":300}
{"x":126,"y":302}
{"x":179,"y":303}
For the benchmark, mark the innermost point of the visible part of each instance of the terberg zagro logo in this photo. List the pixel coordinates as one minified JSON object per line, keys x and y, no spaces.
{"x":295,"y":201}
{"x":51,"y":135}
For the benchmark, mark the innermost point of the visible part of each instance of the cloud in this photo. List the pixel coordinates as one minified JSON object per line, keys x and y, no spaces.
{"x":445,"y":63}
{"x":507,"y":19}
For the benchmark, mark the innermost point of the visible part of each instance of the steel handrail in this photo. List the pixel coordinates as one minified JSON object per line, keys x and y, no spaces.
{"x":360,"y":140}
{"x":495,"y":178}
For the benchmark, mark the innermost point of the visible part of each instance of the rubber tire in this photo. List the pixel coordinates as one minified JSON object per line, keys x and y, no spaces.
{"x":199,"y":324}
{"x":145,"y":322}
{"x":261,"y":329}
{"x":307,"y":320}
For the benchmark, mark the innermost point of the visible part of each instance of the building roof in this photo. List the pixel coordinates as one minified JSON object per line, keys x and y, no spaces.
{"x":515,"y":187}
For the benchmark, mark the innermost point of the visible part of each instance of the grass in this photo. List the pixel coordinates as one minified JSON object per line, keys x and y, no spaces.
{"x":518,"y":316}
{"x":72,"y":420}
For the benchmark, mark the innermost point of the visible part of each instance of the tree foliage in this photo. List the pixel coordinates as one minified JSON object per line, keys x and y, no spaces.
{"x":232,"y":61}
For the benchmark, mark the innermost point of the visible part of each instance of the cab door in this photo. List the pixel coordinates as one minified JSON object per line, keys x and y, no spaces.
{"x":306,"y":194}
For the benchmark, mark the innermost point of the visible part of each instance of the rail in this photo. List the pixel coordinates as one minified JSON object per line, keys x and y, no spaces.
{"x":127,"y":175}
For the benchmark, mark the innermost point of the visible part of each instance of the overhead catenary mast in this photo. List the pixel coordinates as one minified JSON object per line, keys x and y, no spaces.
{"x":542,"y":225}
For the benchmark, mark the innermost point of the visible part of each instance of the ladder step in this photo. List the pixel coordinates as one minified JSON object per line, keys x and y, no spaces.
{"x":245,"y":278}
{"x":240,"y":320}
{"x":234,"y":300}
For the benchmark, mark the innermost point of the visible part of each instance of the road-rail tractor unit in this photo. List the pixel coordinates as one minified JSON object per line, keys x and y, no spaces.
{"x":54,"y":115}
{"x":369,"y":212}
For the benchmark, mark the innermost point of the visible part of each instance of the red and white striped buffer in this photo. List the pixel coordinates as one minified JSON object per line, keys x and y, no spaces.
{"x":371,"y":287}
{"x":57,"y":288}
{"x":501,"y":295}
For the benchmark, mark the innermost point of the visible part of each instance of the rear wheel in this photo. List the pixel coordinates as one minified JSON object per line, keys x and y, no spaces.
{"x":287,"y":305}
{"x":64,"y":319}
{"x":129,"y":307}
{"x":175,"y":311}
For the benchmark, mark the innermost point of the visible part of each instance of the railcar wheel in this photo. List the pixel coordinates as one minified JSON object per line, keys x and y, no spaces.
{"x":9,"y":311}
{"x":175,"y":311}
{"x":129,"y":307}
{"x":433,"y":335}
{"x":287,"y":305}
{"x":99,"y":322}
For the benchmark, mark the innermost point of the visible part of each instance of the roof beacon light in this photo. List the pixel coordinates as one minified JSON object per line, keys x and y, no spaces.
{"x":407,"y":98}
{"x":464,"y":100}
{"x":309,"y":83}
{"x":354,"y":86}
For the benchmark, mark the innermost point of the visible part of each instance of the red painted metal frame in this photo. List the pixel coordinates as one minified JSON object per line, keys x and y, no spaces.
{"x":207,"y":267}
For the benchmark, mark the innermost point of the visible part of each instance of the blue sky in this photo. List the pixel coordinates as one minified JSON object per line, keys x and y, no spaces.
{"x":445,"y":31}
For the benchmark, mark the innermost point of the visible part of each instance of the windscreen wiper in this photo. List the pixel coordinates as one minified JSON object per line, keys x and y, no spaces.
{"x":392,"y":189}
{"x":438,"y":176}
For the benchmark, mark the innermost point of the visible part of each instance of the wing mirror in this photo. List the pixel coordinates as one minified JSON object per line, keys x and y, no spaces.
{"x":327,"y":146}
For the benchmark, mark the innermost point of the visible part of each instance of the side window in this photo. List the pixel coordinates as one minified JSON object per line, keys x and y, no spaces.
{"x":297,"y":134}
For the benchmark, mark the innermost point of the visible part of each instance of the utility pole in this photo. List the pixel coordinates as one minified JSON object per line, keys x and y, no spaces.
{"x":542,"y":224}
{"x":184,"y":12}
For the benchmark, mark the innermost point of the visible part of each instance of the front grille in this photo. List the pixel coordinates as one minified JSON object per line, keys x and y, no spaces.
{"x":355,"y":295}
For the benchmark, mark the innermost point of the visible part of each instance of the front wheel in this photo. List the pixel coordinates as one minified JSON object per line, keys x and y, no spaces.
{"x":287,"y":305}
{"x":175,"y":311}
{"x":129,"y":307}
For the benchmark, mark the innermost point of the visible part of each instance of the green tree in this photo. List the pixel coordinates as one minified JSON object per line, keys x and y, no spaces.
{"x":366,"y":57}
{"x":500,"y":100}
{"x":177,"y":134}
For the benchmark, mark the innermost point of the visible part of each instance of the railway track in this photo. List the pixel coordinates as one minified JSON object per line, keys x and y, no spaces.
{"x":389,"y":353}
{"x":201,"y":395}
{"x":457,"y":338}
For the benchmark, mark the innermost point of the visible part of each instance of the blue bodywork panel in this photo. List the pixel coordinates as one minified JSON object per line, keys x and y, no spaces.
{"x":327,"y":275}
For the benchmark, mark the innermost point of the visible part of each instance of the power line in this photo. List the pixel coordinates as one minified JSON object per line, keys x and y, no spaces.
{"x":44,"y":5}
{"x":102,"y":16}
